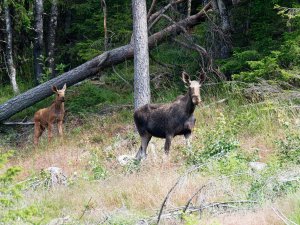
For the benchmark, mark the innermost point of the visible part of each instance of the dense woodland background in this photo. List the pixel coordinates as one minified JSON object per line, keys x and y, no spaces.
{"x":249,"y":51}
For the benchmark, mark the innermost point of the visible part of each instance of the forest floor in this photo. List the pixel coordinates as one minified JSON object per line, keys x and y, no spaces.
{"x":228,"y":136}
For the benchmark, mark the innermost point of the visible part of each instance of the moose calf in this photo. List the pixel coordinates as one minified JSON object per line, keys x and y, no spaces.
{"x":48,"y":116}
{"x":168,"y":120}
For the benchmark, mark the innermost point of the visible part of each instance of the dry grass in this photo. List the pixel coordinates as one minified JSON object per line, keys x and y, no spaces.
{"x":139,"y":193}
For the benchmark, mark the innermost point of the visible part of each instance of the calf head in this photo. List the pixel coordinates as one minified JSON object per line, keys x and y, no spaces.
{"x":60,"y":94}
{"x":194,"y":88}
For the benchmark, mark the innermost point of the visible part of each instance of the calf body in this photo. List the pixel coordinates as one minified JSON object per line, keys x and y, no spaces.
{"x":45,"y":118}
{"x":168,"y":120}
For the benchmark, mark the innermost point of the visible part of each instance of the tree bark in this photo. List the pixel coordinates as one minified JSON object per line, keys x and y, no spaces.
{"x":104,"y":8}
{"x":11,"y":69}
{"x":189,"y":7}
{"x":93,"y":66}
{"x":38,"y":40}
{"x":51,"y":37}
{"x":141,"y":54}
{"x":220,"y":7}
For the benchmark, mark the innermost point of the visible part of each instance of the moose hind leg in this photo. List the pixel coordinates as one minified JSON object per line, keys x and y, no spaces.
{"x":142,"y":154}
{"x":38,"y":130}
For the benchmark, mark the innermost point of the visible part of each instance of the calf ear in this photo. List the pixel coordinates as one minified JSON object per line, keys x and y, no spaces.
{"x":64,"y":87}
{"x":185,"y":78}
{"x":54,"y":89}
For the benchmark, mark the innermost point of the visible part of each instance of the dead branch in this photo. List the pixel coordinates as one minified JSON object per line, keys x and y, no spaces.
{"x":192,"y":169}
{"x":168,"y":66}
{"x":18,"y":123}
{"x":191,"y":209}
{"x":282,"y":216}
{"x":163,"y":10}
{"x":86,"y":208}
{"x":151,"y":9}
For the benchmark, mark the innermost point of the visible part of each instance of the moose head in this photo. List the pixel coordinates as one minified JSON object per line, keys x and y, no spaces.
{"x":60,"y":94}
{"x":194,"y":87}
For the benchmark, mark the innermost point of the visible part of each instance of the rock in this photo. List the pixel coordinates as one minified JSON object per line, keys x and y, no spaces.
{"x":55,"y":176}
{"x":142,"y":222}
{"x":258,"y":166}
{"x":125,"y":159}
{"x":61,"y":221}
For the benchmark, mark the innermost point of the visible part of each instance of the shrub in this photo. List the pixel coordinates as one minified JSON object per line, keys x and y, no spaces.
{"x":289,"y":146}
{"x":10,"y":194}
{"x":218,"y":142}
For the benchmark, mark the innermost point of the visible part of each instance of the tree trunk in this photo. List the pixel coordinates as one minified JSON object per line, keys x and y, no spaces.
{"x":141,"y":54}
{"x":51,"y":38}
{"x":93,"y":66}
{"x":220,"y":7}
{"x":11,"y":69}
{"x":189,"y":7}
{"x":38,"y":41}
{"x":104,"y":8}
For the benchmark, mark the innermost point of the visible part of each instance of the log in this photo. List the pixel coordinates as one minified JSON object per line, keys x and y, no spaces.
{"x":107,"y":59}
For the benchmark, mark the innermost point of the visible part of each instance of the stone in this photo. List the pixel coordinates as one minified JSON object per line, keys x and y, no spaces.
{"x":258,"y":166}
{"x":55,"y":176}
{"x":125,"y":159}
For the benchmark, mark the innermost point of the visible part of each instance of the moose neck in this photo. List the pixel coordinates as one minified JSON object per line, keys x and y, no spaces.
{"x":58,"y":105}
{"x":189,"y":105}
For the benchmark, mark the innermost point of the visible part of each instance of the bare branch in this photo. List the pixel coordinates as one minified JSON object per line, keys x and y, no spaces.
{"x":151,"y":8}
{"x":163,"y":10}
{"x":282,"y":216}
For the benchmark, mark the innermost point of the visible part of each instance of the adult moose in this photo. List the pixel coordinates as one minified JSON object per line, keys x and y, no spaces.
{"x":46,"y":117}
{"x":168,"y":120}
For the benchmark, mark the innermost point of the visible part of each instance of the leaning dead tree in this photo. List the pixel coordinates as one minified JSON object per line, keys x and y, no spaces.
{"x":107,"y":59}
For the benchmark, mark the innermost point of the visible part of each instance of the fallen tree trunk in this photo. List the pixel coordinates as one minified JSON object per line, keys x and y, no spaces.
{"x":93,"y":66}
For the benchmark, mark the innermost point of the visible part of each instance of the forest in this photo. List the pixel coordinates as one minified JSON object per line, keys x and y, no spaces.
{"x":150,"y":112}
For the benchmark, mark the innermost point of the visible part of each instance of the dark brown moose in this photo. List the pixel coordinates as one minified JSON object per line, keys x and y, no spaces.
{"x":46,"y":117}
{"x":168,"y":120}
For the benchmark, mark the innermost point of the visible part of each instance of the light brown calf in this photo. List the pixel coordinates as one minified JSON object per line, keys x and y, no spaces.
{"x":48,"y":116}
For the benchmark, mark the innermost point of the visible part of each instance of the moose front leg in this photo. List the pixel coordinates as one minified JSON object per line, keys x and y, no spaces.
{"x":50,"y":127}
{"x":60,"y":128}
{"x":168,"y":143}
{"x":142,"y":154}
{"x":188,"y":140}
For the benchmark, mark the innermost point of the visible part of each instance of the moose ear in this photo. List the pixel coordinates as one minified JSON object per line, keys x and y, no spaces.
{"x":54,"y":89}
{"x":185,"y":78}
{"x":64,"y":87}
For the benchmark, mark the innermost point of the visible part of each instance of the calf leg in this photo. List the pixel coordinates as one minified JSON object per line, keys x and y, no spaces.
{"x":50,"y":127}
{"x":168,"y":143}
{"x":38,"y":130}
{"x":142,"y":154}
{"x":60,"y":128}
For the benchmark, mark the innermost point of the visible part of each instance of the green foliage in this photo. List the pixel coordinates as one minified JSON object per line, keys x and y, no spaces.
{"x":132,"y":166}
{"x":266,"y":49}
{"x":190,"y":219}
{"x":289,"y":145}
{"x":98,"y":170}
{"x":268,"y":186}
{"x":218,"y":142}
{"x":238,"y":61}
{"x":10,"y":194}
{"x":88,"y":96}
{"x":267,"y":68}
